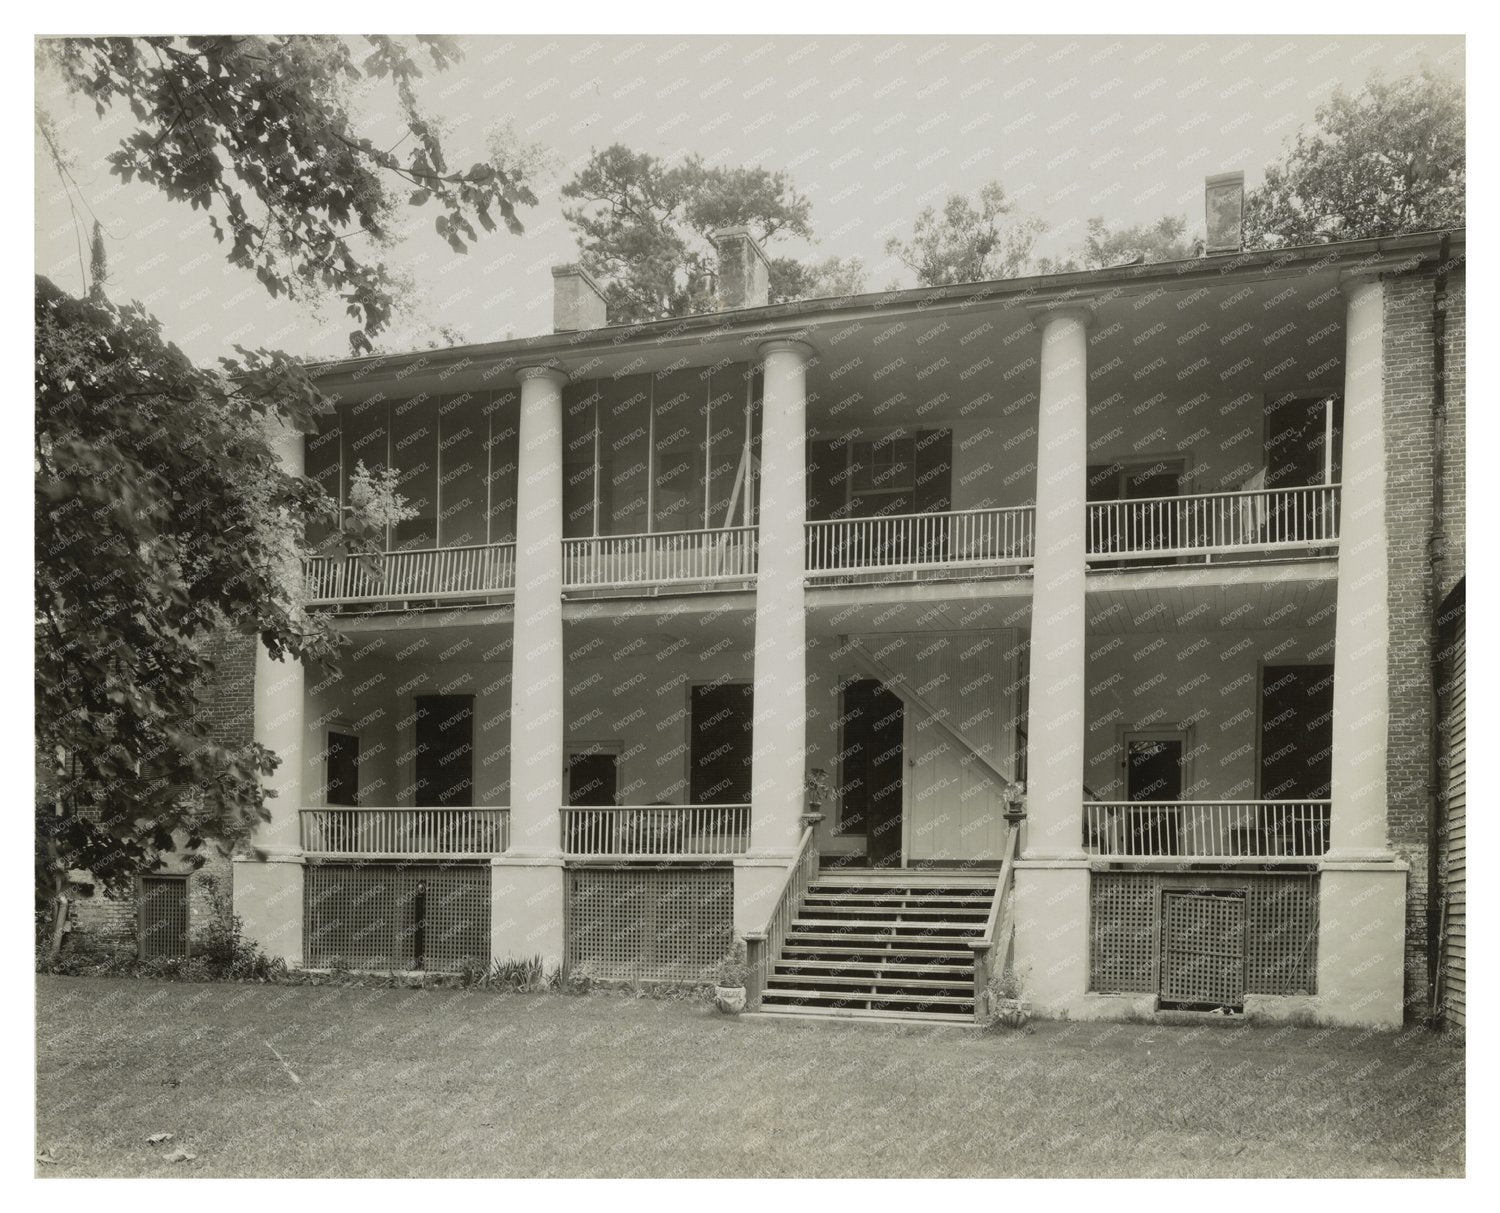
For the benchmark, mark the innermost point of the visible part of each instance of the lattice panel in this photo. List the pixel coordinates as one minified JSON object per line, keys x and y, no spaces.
{"x":1203,"y":948}
{"x":665,"y":924}
{"x":164,"y":916}
{"x":375,"y":916}
{"x":1281,"y":928}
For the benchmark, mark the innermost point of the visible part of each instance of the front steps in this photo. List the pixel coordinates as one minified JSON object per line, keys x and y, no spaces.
{"x":883,"y":943}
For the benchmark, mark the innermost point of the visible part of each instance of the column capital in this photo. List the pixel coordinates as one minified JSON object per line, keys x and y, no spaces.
{"x":1081,"y":310}
{"x":785,"y":345}
{"x":549,"y":374}
{"x":1350,"y":280}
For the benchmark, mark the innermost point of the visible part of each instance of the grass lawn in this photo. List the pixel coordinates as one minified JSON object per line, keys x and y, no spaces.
{"x":268,"y":1080}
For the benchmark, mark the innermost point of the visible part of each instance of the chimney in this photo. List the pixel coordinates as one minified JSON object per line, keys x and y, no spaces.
{"x":1224,"y":209}
{"x":744,"y":270}
{"x":577,"y":301}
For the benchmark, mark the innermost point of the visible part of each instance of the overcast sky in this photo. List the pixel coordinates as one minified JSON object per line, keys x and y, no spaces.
{"x":872,"y":129}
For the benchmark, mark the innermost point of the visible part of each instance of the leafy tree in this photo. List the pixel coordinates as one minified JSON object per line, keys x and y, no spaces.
{"x":1389,"y":160}
{"x":256,"y":131}
{"x":1164,"y":240}
{"x":968,"y":242}
{"x":792,"y":280}
{"x":644,"y":228}
{"x":162,"y":514}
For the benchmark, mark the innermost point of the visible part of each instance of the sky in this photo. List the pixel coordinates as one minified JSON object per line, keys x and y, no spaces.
{"x":871,"y":128}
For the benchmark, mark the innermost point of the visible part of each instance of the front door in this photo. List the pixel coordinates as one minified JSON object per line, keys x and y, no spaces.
{"x":1153,"y":775}
{"x":445,"y":751}
{"x":870,"y":791}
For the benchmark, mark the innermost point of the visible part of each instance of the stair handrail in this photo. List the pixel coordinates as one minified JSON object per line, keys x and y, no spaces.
{"x":997,"y":929}
{"x":763,"y":947}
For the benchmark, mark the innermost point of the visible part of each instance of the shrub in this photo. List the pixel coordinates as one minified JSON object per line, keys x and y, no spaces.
{"x":733,"y":969}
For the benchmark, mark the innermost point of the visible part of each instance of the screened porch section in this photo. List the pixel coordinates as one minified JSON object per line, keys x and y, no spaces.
{"x":660,"y":480}
{"x":453,"y":459}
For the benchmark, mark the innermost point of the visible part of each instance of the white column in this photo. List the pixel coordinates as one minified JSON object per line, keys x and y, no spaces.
{"x":780,"y":615}
{"x":1055,"y":723}
{"x":1052,"y":877}
{"x":526,"y":893}
{"x":1361,"y":704}
{"x":267,"y":891}
{"x":537,"y":724}
{"x":277,"y":702}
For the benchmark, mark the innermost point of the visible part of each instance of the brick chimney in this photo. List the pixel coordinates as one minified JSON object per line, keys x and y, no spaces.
{"x":577,"y":301}
{"x":744,"y":270}
{"x":1224,"y":210}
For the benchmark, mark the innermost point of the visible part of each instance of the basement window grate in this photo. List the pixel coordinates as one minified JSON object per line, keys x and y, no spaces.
{"x":1280,"y":928}
{"x":163,"y":916}
{"x":396,"y":917}
{"x":648,"y":924}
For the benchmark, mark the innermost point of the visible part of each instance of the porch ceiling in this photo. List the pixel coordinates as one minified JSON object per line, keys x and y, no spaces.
{"x":1210,"y":598}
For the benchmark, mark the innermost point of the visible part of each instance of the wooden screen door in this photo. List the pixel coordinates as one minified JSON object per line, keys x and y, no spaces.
{"x":445,"y":751}
{"x":872,"y":770}
{"x":1153,"y":773}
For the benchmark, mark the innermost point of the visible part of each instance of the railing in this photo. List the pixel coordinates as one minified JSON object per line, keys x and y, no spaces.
{"x":1208,"y":524}
{"x":992,"y":949}
{"x":958,"y":539}
{"x":664,"y":558}
{"x":391,"y":831}
{"x":676,"y":830}
{"x":763,"y":947}
{"x":477,"y":571}
{"x":1259,"y":830}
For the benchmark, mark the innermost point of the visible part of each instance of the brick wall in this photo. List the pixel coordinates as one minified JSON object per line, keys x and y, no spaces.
{"x":1409,"y":502}
{"x":102,"y":923}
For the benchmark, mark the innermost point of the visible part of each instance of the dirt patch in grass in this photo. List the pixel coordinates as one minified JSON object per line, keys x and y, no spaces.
{"x":306,"y":1081}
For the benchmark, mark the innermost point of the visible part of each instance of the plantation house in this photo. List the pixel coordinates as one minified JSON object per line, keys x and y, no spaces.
{"x":1076,"y":626}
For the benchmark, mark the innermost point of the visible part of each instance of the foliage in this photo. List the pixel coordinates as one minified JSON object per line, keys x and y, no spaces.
{"x":1164,"y":240}
{"x":968,"y":242}
{"x":734,"y":969}
{"x":162,"y":515}
{"x":257,"y":133}
{"x":793,"y":280}
{"x":644,"y":228}
{"x":224,"y":948}
{"x":1386,"y":161}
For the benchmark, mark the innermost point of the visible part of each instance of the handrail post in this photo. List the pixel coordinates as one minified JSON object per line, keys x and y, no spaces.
{"x":757,"y":969}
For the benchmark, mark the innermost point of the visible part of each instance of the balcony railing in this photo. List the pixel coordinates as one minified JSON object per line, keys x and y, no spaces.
{"x":1255,"y":830}
{"x":1211,"y":524}
{"x":375,"y":832}
{"x":444,"y":574}
{"x":968,"y":541}
{"x":677,"y":831}
{"x":721,"y":554}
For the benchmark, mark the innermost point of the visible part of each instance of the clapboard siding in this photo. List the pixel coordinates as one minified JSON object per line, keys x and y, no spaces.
{"x":1455,"y":871}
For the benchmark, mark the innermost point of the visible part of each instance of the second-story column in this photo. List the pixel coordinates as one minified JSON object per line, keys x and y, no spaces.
{"x":526,"y":905}
{"x":1055,"y":722}
{"x":780,"y":720}
{"x":1361,"y":713}
{"x":537,"y":724}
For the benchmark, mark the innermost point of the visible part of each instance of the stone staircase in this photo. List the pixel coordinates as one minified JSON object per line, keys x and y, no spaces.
{"x":882,"y":943}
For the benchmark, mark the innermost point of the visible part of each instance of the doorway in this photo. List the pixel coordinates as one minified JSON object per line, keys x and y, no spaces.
{"x":444,"y":766}
{"x":870,"y":781}
{"x":1138,"y":527}
{"x":593,"y":777}
{"x":342,"y":770}
{"x":1296,"y":754}
{"x":1153,"y":761}
{"x":719,"y":746}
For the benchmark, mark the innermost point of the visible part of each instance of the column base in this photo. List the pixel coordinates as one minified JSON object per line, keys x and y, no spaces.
{"x":1361,"y":944}
{"x":1052,"y":934}
{"x":758,"y":879}
{"x":526,"y":909}
{"x":268,"y":902}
